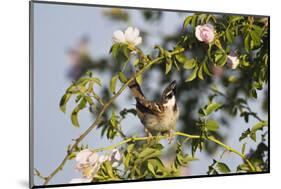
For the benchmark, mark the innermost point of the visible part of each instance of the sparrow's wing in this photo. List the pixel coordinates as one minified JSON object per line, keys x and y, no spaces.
{"x":146,"y":106}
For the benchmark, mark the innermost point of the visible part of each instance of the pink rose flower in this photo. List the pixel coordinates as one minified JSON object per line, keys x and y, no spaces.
{"x":205,"y":33}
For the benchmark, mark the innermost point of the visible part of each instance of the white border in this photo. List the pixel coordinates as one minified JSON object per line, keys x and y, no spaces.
{"x":14,"y":91}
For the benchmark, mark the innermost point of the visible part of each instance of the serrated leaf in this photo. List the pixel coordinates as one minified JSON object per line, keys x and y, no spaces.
{"x":192,"y":75}
{"x":223,"y":168}
{"x":112,"y":85}
{"x":212,"y":125}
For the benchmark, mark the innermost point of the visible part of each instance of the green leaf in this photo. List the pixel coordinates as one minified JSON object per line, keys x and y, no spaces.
{"x":200,"y":73}
{"x":180,"y":58}
{"x":212,"y":125}
{"x":187,"y":21}
{"x":244,"y":134}
{"x":151,"y":168}
{"x":89,"y":100}
{"x":113,"y":120}
{"x":192,"y":75}
{"x":74,"y":114}
{"x":243,"y":148}
{"x":212,"y":107}
{"x":255,"y":38}
{"x":74,"y":118}
{"x":139,"y":79}
{"x":72,"y":156}
{"x":168,"y":67}
{"x":122,"y":77}
{"x":206,"y":69}
{"x":112,"y":86}
{"x":221,"y":59}
{"x":253,"y":136}
{"x":189,"y":64}
{"x":247,"y":42}
{"x":120,"y":52}
{"x":229,"y":36}
{"x":259,"y":126}
{"x":223,"y":168}
{"x":65,"y":98}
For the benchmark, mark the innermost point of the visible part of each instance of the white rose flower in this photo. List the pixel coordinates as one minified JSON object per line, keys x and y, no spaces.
{"x":130,"y":36}
{"x":205,"y":33}
{"x":93,"y":158}
{"x":80,"y":180}
{"x":103,"y":158}
{"x":83,"y":156}
{"x":116,"y":158}
{"x":232,"y":61}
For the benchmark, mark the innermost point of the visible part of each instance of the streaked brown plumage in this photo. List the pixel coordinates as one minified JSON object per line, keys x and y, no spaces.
{"x":159,"y":116}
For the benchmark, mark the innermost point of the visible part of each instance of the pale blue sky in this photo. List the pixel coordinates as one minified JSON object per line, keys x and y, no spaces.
{"x":56,"y":28}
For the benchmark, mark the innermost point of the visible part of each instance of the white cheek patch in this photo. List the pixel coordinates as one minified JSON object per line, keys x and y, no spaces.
{"x":171,"y":102}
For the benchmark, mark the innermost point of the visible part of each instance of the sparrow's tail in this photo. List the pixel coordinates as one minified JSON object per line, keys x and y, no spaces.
{"x":136,"y":90}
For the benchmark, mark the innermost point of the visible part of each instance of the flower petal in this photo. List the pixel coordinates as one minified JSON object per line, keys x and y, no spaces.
{"x":130,"y":35}
{"x":93,"y":158}
{"x":138,"y":41}
{"x":119,"y":37}
{"x":129,"y":31}
{"x":82,"y":156}
{"x":198,"y":33}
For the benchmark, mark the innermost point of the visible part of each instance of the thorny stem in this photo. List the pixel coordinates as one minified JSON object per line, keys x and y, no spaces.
{"x":104,"y":108}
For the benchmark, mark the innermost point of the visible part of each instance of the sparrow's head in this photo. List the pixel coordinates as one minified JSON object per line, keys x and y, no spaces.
{"x":168,"y":95}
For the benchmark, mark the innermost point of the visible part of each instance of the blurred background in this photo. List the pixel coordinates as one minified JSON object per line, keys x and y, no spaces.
{"x":62,"y":33}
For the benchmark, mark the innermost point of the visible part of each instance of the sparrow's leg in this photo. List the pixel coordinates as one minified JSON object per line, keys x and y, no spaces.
{"x":171,"y":135}
{"x":149,"y":135}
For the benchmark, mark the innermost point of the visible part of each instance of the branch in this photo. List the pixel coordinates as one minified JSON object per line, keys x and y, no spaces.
{"x":104,"y":108}
{"x":246,"y":106}
{"x":210,"y":138}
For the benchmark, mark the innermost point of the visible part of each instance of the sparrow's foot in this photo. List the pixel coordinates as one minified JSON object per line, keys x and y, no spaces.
{"x":149,"y":136}
{"x":171,"y":135}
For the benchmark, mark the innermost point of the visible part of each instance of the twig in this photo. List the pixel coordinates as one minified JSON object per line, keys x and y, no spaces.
{"x":246,"y":106}
{"x":104,"y":108}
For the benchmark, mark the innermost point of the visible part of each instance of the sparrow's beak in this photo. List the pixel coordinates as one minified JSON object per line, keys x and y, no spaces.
{"x":173,"y":86}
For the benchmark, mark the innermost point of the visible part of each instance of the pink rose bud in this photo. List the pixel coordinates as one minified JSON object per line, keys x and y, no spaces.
{"x":205,"y":33}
